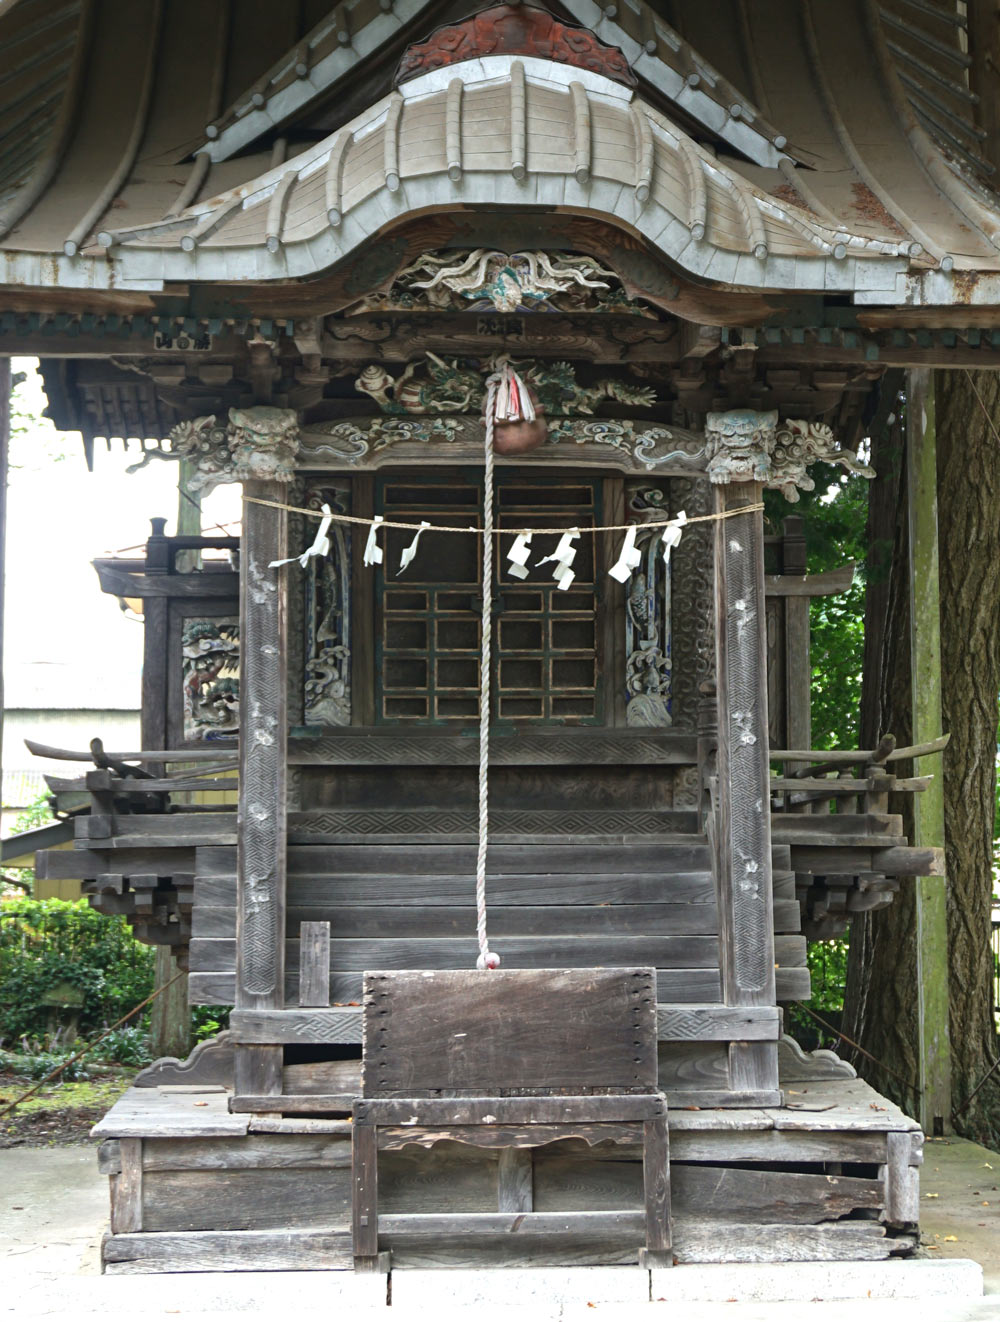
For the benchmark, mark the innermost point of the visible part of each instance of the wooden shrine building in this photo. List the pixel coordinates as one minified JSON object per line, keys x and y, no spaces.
{"x":316,"y":249}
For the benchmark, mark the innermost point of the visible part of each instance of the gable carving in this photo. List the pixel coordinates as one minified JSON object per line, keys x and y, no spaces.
{"x":515,"y":30}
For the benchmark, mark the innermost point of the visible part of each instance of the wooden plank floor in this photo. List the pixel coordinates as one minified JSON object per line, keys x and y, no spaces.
{"x":846,"y":1105}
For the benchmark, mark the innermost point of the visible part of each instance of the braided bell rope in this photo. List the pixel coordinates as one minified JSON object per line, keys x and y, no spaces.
{"x":487,"y":959}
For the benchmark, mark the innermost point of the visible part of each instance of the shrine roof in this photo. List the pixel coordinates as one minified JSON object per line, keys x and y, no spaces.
{"x":784,"y":146}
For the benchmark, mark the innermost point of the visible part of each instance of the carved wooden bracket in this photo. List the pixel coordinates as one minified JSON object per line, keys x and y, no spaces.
{"x":256,"y":444}
{"x":746,"y":446}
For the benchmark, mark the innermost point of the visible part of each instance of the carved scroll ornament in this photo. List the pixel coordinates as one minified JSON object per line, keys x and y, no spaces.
{"x":746,"y":446}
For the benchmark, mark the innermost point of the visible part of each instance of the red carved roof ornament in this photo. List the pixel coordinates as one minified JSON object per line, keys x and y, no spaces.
{"x":515,"y":30}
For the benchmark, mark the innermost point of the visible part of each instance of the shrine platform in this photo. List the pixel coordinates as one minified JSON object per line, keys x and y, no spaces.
{"x":830,"y":1176}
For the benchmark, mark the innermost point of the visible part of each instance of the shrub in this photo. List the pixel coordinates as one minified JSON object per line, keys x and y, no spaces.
{"x":47,"y":942}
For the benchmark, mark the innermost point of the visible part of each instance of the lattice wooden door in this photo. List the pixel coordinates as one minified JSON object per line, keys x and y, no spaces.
{"x":547,"y":652}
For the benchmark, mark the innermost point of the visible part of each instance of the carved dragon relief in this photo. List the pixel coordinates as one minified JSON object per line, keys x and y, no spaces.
{"x":647,"y":618}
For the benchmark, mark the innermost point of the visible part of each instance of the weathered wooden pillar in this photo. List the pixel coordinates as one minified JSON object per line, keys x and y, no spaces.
{"x":925,"y":668}
{"x":262,"y":443}
{"x":738,"y":444}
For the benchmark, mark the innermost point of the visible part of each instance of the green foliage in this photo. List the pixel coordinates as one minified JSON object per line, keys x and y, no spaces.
{"x":207,"y":1020}
{"x":835,"y":515}
{"x":38,"y":1064}
{"x":827,"y":962}
{"x":45,"y":943}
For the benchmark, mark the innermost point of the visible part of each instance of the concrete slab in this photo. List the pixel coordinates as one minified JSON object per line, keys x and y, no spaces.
{"x":760,"y":1282}
{"x":53,"y":1211}
{"x":960,"y":1204}
{"x":536,"y":1288}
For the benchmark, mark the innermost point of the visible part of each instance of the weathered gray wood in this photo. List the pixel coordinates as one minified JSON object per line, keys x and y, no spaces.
{"x":210,"y":1061}
{"x":57,"y":864}
{"x":257,"y":1070}
{"x":397,"y":1138}
{"x":252,"y":1152}
{"x":901,"y":1181}
{"x":692,"y":1066}
{"x":370,"y":922}
{"x":509,"y":1251}
{"x":514,"y":1180}
{"x":246,"y":1199}
{"x":297,"y":1124}
{"x":364,"y":1177}
{"x":126,"y":1188}
{"x":542,"y":1224}
{"x":892,"y":861}
{"x":712,"y":1240}
{"x":109,"y":1157}
{"x":519,"y":953}
{"x":560,"y":1028}
{"x":724,"y":1097}
{"x":744,"y":853}
{"x":386,"y":893}
{"x":291,"y":1103}
{"x":314,"y":964}
{"x":770,"y":1145}
{"x":759,"y":1196}
{"x":702,"y":1023}
{"x":676,"y":986}
{"x":261,"y":852}
{"x":507,"y":1110}
{"x":290,"y":1249}
{"x":656,"y":1183}
{"x":323,"y":1077}
{"x":155,"y":1112}
{"x":753,"y":1066}
{"x":548,"y":748}
{"x":458,"y":823}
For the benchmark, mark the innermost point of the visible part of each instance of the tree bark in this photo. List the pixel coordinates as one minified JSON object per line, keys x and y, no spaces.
{"x":968,"y":413}
{"x":880,"y":1006}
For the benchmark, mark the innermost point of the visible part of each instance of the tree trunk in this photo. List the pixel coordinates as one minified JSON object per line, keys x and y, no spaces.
{"x":880,"y":1007}
{"x":969,"y":529}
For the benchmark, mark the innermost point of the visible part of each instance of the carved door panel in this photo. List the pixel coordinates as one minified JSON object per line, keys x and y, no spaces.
{"x":546,"y":666}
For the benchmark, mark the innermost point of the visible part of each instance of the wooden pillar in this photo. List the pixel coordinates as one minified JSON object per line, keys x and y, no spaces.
{"x":261,"y":862}
{"x":925,"y":657}
{"x":746,"y":919}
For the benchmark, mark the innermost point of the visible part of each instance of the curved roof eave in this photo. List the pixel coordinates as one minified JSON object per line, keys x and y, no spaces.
{"x":656,"y":52}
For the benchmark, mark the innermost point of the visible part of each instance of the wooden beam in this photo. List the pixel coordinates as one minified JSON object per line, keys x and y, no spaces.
{"x":744,"y":880}
{"x":925,"y":666}
{"x":827,"y":584}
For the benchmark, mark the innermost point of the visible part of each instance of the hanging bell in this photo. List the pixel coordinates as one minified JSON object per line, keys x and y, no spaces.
{"x":517,"y":426}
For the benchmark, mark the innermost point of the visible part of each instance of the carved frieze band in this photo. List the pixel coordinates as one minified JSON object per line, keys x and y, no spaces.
{"x":363,"y":443}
